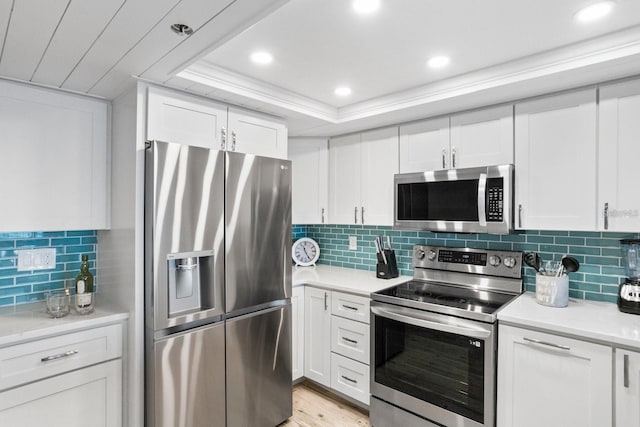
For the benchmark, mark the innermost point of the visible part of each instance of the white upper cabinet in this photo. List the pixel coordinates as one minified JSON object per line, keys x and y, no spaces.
{"x":424,"y":146}
{"x":478,"y":138}
{"x":254,"y":133}
{"x":555,"y":162}
{"x":344,"y":179}
{"x":55,"y":168}
{"x":174,"y":116}
{"x":618,"y":157}
{"x":379,"y":157}
{"x":482,"y":138}
{"x":361,"y":169}
{"x":177,"y":117}
{"x":310,"y":182}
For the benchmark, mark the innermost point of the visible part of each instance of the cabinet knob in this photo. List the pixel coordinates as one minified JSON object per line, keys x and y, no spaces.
{"x":626,"y":371}
{"x":444,"y":162}
{"x":233,"y":140}
{"x":606,"y":216}
{"x":355,"y":215}
{"x":326,"y":295}
{"x":453,"y":158}
{"x":362,"y":215}
{"x":322,"y":215}
{"x":519,"y":215}
{"x":223,"y":138}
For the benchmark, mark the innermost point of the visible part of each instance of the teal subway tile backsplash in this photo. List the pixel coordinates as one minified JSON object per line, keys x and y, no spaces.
{"x":598,"y":253}
{"x":17,"y":287}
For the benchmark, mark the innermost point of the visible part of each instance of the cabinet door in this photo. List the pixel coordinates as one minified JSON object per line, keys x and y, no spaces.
{"x":297,"y":332}
{"x":89,"y":397}
{"x":177,"y":117}
{"x":482,"y":138}
{"x":548,"y":380}
{"x":317,"y":335}
{"x":627,"y":388}
{"x":379,"y":162}
{"x":555,"y":162}
{"x":424,"y":146}
{"x":618,"y":157}
{"x":257,"y":134}
{"x":54,"y":173}
{"x":310,"y":182}
{"x":344,"y":179}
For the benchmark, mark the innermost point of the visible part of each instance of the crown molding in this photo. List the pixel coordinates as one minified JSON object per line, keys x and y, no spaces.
{"x":560,"y":63}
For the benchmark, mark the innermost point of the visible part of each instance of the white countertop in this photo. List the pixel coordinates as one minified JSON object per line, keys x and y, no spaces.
{"x":350,"y":280}
{"x":27,"y":322}
{"x":591,"y":320}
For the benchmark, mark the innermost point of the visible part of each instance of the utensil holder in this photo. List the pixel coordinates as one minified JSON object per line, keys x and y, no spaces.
{"x":552,"y":291}
{"x":387,"y":270}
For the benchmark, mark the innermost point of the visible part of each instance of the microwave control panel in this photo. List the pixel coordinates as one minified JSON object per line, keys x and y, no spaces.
{"x":495,"y":200}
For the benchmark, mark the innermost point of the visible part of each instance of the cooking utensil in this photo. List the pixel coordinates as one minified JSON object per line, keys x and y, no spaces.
{"x":532,"y":260}
{"x":381,"y":248}
{"x":389,"y":243}
{"x":570,"y":264}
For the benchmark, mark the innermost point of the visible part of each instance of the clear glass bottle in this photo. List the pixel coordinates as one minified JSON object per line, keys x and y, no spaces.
{"x":84,"y":288}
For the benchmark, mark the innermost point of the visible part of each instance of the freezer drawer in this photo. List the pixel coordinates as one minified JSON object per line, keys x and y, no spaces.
{"x":189,"y":389}
{"x":259,"y":368}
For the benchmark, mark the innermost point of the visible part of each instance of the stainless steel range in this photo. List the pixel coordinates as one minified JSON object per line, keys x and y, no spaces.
{"x":435,"y":338}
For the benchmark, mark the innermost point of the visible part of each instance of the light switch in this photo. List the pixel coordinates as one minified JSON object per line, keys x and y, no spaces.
{"x":353,"y":243}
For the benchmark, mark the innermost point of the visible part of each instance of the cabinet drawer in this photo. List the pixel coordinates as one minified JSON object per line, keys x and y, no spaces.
{"x":350,"y":378}
{"x":350,"y":338}
{"x":350,"y":306}
{"x":34,"y":360}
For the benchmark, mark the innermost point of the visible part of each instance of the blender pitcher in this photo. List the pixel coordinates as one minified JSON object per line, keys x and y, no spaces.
{"x":629,"y":291}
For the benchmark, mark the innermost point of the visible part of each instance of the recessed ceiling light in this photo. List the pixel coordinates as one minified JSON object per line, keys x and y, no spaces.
{"x":343,"y":91}
{"x":261,"y":57}
{"x":594,"y":12}
{"x":366,"y":6}
{"x":438,"y":61}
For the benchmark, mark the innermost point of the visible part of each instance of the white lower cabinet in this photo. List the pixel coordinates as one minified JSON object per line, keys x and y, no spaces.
{"x":71,"y":380}
{"x":337,"y":347}
{"x":89,"y":397}
{"x":317,"y":336}
{"x":551,"y":380}
{"x":350,"y":378}
{"x":297,"y":332}
{"x":627,"y":391}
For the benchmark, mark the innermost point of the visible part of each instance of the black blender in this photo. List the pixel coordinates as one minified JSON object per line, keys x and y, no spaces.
{"x":629,"y":292}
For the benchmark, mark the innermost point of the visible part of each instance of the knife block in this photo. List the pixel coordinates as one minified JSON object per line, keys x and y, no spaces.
{"x":388,"y":270}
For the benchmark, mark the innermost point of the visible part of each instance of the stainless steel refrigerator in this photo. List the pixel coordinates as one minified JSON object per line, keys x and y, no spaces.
{"x":217,"y":288}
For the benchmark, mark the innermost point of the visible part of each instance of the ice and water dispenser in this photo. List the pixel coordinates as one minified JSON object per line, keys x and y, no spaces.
{"x":189,"y":278}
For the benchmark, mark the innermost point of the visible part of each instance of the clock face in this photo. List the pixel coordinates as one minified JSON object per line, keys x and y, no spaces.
{"x":305,"y":251}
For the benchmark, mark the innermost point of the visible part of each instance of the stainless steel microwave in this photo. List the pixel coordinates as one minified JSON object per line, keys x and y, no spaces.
{"x":472,"y":200}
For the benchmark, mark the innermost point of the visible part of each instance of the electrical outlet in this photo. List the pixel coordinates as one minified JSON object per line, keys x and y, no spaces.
{"x":36,"y":259}
{"x":353,"y":243}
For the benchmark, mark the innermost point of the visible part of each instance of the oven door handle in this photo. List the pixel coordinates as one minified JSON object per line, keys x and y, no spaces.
{"x":425,"y":320}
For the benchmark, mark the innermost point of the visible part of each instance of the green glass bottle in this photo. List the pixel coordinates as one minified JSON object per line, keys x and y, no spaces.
{"x":84,"y":288}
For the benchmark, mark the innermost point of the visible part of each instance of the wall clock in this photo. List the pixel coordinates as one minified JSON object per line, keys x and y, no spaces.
{"x":305,"y":252}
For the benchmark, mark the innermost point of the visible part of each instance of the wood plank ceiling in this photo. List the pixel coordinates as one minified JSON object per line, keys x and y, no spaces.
{"x":95,"y":46}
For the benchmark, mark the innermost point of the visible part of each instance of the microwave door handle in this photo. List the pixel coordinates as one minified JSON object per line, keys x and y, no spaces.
{"x":421,"y":321}
{"x":482,"y":200}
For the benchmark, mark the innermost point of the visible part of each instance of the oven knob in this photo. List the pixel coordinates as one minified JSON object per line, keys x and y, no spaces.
{"x":432,"y":255}
{"x":510,"y":261}
{"x":420,"y":254}
{"x":494,"y":260}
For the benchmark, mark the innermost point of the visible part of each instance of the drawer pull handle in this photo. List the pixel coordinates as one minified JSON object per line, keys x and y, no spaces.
{"x":349,"y":307}
{"x":350,"y":340}
{"x":349,"y":379}
{"x":548,"y":344}
{"x":59,"y":356}
{"x":626,"y":371}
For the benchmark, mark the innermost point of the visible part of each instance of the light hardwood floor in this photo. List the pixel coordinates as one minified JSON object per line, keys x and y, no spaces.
{"x":315,"y":407}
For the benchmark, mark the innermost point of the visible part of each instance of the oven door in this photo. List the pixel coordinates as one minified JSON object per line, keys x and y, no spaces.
{"x":437,"y":366}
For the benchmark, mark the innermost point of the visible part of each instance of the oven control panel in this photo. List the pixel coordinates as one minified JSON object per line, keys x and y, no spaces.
{"x":468,"y":260}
